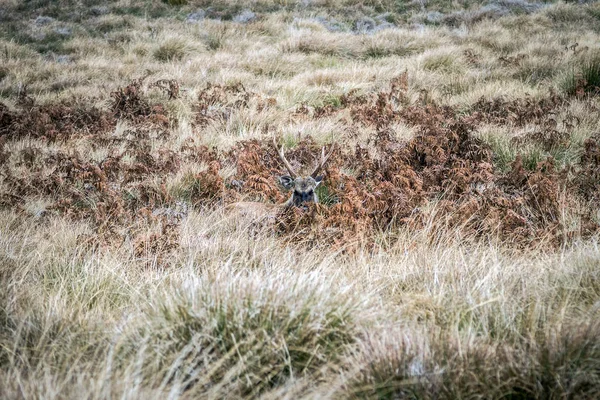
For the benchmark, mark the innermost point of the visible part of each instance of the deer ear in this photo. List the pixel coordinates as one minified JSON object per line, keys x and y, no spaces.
{"x":318,"y":180}
{"x":287,"y":181}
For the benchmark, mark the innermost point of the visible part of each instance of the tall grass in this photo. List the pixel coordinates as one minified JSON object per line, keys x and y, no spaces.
{"x":584,"y":77}
{"x":417,"y":320}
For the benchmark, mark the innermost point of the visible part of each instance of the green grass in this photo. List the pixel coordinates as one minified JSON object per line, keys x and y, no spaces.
{"x":176,"y":2}
{"x":440,"y":63}
{"x":584,"y":76}
{"x":505,"y":151}
{"x":171,"y":50}
{"x":265,"y":336}
{"x":325,"y":197}
{"x":563,"y":363}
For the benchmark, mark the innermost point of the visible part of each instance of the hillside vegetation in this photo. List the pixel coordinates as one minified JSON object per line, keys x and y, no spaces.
{"x":455,"y":250}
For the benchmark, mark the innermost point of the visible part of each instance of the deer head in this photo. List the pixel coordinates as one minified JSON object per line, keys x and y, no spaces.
{"x":303,"y":186}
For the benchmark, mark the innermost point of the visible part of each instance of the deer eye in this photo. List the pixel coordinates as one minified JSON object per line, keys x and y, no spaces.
{"x":310,"y":193}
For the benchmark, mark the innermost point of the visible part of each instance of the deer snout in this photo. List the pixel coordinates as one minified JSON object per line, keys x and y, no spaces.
{"x":304,"y":197}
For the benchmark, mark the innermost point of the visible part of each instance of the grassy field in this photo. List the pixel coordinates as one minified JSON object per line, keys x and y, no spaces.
{"x":454,"y":254}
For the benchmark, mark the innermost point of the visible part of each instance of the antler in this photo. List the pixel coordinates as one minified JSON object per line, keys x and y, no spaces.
{"x":293,"y":173}
{"x":323,"y":160}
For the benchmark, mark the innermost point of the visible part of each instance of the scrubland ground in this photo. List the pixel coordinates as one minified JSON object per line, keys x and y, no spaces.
{"x":455,"y":250}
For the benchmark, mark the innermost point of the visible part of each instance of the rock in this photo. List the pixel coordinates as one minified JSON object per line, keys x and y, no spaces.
{"x":383,"y":17}
{"x":4,"y":15}
{"x":62,"y":59}
{"x":384,"y":25}
{"x":43,"y":20}
{"x":98,"y":11}
{"x":330,"y":24}
{"x":237,"y":184}
{"x":245,"y":17}
{"x":174,"y":214}
{"x":493,"y":10}
{"x":434,"y":17}
{"x":64,"y":31}
{"x":365,"y":25}
{"x":39,"y":214}
{"x":196,"y":16}
{"x":418,"y":27}
{"x":519,"y":5}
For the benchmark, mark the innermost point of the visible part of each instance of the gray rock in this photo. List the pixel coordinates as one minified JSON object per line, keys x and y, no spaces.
{"x":519,"y":5}
{"x":62,"y":59}
{"x":489,"y":11}
{"x":384,"y":25}
{"x":37,"y":35}
{"x":330,"y":24}
{"x":174,"y":214}
{"x":43,"y":20}
{"x":98,"y":11}
{"x":245,"y":17}
{"x":384,"y":21}
{"x":418,"y":27}
{"x":64,"y":31}
{"x":39,"y":214}
{"x":434,"y":17}
{"x":365,"y":25}
{"x":4,"y":15}
{"x":416,"y":368}
{"x":237,"y":184}
{"x":383,"y":17}
{"x":196,"y":16}
{"x":493,"y":10}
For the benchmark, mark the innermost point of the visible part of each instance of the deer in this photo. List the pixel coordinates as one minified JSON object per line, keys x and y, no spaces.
{"x":303,"y":187}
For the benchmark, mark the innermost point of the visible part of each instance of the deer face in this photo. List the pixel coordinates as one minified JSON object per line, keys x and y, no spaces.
{"x":304,"y":186}
{"x":304,"y":189}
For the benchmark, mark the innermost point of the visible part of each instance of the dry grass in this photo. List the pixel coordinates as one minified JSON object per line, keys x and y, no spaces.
{"x":235,"y":316}
{"x":455,"y":255}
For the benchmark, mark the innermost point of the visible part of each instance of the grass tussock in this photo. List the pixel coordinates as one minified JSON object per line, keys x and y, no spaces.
{"x":171,"y":50}
{"x":560,"y":363}
{"x":584,"y":78}
{"x":507,"y":326}
{"x":251,"y":335}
